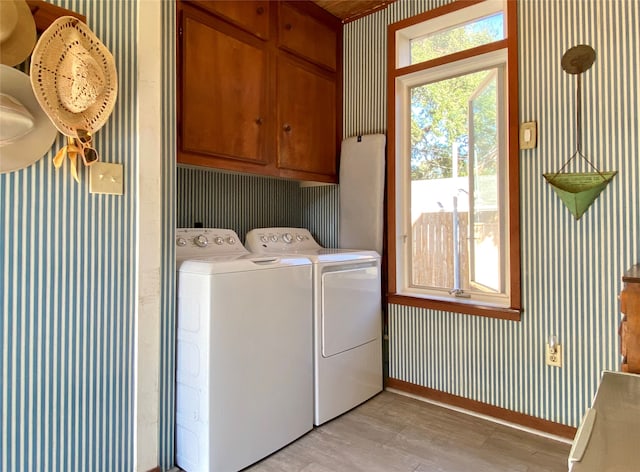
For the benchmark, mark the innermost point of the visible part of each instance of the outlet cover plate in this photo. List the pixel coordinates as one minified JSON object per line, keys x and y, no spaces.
{"x":106,"y":178}
{"x":553,"y":358}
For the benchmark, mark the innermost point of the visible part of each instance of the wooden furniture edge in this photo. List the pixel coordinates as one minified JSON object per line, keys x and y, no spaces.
{"x":632,"y":275}
{"x":497,"y":412}
{"x":45,"y":13}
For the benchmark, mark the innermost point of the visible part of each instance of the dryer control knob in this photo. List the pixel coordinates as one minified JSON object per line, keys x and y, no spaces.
{"x":201,"y":240}
{"x":287,"y":238}
{"x":181,"y":242}
{"x":274,"y":238}
{"x":299,"y":237}
{"x":264,"y":238}
{"x":218,"y":240}
{"x":231,"y":240}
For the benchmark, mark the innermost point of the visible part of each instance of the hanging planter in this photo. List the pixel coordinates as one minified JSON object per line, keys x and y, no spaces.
{"x":578,"y":190}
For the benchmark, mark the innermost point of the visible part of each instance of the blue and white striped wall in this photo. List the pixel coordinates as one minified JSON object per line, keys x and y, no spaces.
{"x":166,"y":408}
{"x":68,"y":259}
{"x":571,"y":270}
{"x":67,"y":292}
{"x":320,"y":213}
{"x":237,"y":201}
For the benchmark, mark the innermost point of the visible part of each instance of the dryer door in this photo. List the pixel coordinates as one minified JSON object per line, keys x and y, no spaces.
{"x":350,"y":306}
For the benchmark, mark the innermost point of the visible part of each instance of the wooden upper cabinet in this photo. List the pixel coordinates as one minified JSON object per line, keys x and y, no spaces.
{"x":257,"y":96}
{"x":223,"y":89}
{"x":251,"y":15}
{"x":306,"y":36}
{"x":306,"y":119}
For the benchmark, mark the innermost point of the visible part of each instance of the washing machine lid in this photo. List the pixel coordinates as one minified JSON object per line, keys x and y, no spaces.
{"x":239,"y":263}
{"x":328,"y":256}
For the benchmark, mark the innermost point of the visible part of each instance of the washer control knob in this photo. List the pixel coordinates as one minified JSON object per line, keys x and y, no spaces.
{"x":274,"y":238}
{"x":181,"y":242}
{"x":299,"y":237}
{"x":231,"y":240}
{"x":287,"y":238}
{"x":201,"y":240}
{"x":218,"y":240}
{"x":264,"y":238}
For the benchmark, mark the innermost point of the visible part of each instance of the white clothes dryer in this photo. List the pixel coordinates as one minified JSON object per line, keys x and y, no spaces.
{"x":244,"y":358}
{"x":347,"y":317}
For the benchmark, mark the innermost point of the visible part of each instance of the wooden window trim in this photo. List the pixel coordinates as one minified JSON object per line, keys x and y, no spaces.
{"x":513,"y":312}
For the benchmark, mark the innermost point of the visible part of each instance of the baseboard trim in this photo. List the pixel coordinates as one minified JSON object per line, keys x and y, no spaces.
{"x":545,"y":426}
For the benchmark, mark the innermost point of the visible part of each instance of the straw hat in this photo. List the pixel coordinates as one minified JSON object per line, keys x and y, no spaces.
{"x":26,"y":133}
{"x":17,"y":31}
{"x":74,"y":77}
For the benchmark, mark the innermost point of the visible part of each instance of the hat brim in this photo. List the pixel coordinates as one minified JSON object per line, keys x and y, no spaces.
{"x":45,"y":65}
{"x":34,"y":145}
{"x":17,"y":47}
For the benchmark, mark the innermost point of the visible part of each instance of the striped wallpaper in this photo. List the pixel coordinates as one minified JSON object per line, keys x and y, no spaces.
{"x":166,"y":433}
{"x":242,"y":202}
{"x":571,"y":269}
{"x":67,"y":292}
{"x":236,"y":201}
{"x":320,"y":213}
{"x":68,"y":260}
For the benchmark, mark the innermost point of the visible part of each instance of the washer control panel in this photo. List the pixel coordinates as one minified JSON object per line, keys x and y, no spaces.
{"x":197,"y":242}
{"x":280,"y":240}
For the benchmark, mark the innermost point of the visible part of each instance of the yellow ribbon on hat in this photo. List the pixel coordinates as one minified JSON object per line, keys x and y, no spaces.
{"x":72,"y":151}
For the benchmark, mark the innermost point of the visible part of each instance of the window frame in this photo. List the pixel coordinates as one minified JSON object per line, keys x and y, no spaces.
{"x":396,"y":71}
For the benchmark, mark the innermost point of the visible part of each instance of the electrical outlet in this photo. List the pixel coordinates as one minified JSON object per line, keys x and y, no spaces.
{"x":554,"y":358}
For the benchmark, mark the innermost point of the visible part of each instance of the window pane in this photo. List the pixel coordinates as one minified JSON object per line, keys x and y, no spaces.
{"x":455,"y":184}
{"x":458,"y":38}
{"x":485,"y":247}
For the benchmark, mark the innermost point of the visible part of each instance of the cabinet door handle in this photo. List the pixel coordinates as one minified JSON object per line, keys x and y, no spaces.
{"x":287,"y":127}
{"x":259,"y":120}
{"x":288,"y":26}
{"x":259,"y":10}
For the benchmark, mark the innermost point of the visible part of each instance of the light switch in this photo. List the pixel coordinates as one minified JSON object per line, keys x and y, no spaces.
{"x":105,"y":177}
{"x":528,"y":135}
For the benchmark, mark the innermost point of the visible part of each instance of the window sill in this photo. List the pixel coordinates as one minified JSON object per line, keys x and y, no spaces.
{"x":503,"y":313}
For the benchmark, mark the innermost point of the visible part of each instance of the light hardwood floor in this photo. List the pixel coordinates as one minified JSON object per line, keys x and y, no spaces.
{"x":394,"y":433}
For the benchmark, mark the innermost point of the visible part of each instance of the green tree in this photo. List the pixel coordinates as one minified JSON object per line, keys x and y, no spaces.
{"x":440,"y":110}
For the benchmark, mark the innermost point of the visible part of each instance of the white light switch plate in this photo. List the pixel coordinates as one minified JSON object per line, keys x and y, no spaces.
{"x":528,"y":135}
{"x":105,"y":177}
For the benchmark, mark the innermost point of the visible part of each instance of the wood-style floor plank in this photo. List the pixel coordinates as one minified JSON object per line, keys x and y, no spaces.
{"x":394,"y":433}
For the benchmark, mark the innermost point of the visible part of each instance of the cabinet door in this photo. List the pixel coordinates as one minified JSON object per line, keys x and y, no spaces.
{"x":223,"y":90}
{"x":307,"y":37}
{"x":306,"y":118}
{"x":250,"y":15}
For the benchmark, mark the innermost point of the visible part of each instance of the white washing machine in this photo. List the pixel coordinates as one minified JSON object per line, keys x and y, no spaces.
{"x":244,"y":357}
{"x":347,"y":343}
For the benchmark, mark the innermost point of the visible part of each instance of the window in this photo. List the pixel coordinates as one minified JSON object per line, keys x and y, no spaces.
{"x":454,"y":240}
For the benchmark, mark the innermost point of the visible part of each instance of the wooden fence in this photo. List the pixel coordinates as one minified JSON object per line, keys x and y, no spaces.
{"x":433,"y":245}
